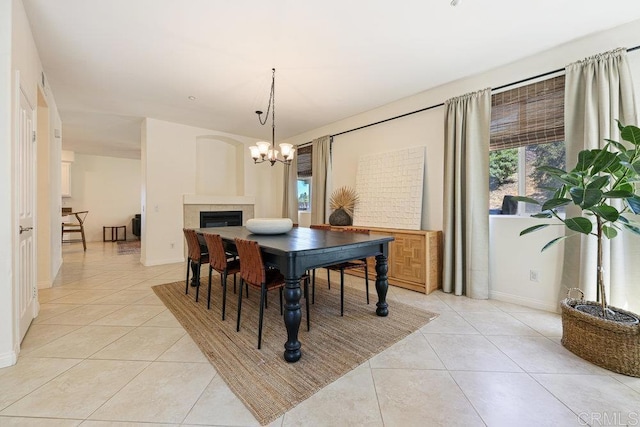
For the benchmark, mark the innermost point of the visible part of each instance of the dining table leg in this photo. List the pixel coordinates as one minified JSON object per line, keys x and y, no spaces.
{"x":382,"y":285}
{"x":292,"y":317}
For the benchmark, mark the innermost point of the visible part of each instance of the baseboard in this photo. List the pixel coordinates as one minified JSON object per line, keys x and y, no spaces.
{"x":526,"y":302}
{"x":8,"y":359}
{"x":150,"y":263}
{"x":45,"y":284}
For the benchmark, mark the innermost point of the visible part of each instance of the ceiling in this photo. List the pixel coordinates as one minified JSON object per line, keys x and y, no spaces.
{"x":112,"y":63}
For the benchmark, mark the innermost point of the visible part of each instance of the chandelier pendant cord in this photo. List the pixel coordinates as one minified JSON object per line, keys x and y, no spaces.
{"x":264,"y":151}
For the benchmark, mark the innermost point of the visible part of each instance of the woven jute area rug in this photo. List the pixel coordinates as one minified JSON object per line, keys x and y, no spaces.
{"x":262,"y":379}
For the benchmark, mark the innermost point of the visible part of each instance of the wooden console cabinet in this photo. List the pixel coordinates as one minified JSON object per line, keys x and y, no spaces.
{"x":415,"y":258}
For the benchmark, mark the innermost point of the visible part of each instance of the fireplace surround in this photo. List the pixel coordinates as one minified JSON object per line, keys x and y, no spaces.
{"x":194,"y":204}
{"x":220,"y":218}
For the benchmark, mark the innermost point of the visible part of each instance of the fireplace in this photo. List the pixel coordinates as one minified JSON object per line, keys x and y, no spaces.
{"x":220,"y":218}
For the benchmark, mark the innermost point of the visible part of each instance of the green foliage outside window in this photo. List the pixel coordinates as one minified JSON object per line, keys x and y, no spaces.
{"x":552,"y":154}
{"x":502,"y":165}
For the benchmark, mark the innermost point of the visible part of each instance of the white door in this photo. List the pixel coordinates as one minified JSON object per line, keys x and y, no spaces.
{"x":25,"y":205}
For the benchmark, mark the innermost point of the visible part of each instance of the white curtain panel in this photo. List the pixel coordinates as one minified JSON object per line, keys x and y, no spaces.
{"x":466,"y":195}
{"x":599,"y":91}
{"x":320,"y":170}
{"x":290,"y":192}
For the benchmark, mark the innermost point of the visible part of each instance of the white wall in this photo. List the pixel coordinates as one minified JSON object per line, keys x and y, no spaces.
{"x":412,"y":131}
{"x":7,"y":349}
{"x":169,"y":171}
{"x":55,"y":150}
{"x":427,"y":129}
{"x":17,"y":53}
{"x":107,"y":187}
{"x":512,"y":258}
{"x":48,"y":197}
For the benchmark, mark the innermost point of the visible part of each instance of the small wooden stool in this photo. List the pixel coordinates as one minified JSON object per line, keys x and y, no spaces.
{"x":114,"y":233}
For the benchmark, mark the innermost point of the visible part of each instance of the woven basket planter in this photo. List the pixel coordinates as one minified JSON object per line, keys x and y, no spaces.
{"x":611,"y":345}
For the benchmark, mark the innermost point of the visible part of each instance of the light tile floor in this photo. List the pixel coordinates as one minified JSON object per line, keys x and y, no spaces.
{"x":104,"y":351}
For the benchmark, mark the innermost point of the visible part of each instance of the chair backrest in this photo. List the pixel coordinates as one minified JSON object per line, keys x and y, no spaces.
{"x":217,"y":254}
{"x":67,"y":211}
{"x":251,"y":265}
{"x":81,"y":216}
{"x":193,"y":247}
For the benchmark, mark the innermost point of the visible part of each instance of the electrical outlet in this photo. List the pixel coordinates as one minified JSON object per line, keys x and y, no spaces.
{"x":533,"y":275}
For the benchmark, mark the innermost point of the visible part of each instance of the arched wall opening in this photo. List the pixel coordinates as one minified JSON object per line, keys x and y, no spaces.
{"x":219,"y":166}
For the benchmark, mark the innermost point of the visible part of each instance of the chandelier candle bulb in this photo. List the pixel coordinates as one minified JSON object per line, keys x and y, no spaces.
{"x":255,"y":152}
{"x":263,"y":147}
{"x":286,"y":150}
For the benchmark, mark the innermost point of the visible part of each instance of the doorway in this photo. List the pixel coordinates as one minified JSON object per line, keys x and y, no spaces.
{"x":25,"y":160}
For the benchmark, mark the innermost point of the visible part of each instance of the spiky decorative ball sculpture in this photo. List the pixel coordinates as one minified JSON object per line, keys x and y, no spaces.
{"x":342,"y":201}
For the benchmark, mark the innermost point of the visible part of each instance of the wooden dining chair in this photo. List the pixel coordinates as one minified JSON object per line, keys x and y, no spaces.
{"x":254,"y":273}
{"x":357,"y":264}
{"x":218,"y":261}
{"x":195,"y":258}
{"x":75,"y":227}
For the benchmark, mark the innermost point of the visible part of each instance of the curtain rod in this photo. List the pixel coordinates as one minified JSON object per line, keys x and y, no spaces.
{"x":442,"y":103}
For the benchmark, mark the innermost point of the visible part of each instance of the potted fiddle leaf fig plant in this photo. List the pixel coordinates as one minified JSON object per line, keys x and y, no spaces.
{"x":604,"y":185}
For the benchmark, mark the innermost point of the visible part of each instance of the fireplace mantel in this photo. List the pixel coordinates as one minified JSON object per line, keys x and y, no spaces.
{"x":203,"y":199}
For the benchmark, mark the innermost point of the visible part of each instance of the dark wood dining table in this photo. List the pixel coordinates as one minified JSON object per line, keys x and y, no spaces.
{"x":302,"y":249}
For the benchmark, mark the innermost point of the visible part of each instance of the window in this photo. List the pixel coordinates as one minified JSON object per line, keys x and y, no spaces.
{"x":527,"y":131}
{"x":304,"y":178}
{"x":304,"y":194}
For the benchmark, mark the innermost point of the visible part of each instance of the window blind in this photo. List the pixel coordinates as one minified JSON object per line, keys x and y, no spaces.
{"x":304,"y":161}
{"x":528,"y":115}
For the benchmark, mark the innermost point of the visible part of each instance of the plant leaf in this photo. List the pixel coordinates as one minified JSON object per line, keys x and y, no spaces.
{"x":631,"y":134}
{"x":609,"y":232}
{"x":632,"y":228}
{"x":634,"y":204}
{"x":553,"y":242}
{"x":618,"y":194}
{"x":573,"y":179}
{"x":624,"y":185}
{"x":542,"y":215}
{"x":534,"y":228}
{"x":551,"y":170}
{"x":607,"y":212}
{"x":584,"y":197}
{"x":604,"y":160}
{"x":598,"y":183}
{"x":579,"y":224}
{"x":525,"y":200}
{"x":585,"y":160}
{"x":616,"y":144}
{"x":555,"y":203}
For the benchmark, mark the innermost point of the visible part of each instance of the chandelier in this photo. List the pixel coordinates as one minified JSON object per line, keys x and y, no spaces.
{"x":265,"y":151}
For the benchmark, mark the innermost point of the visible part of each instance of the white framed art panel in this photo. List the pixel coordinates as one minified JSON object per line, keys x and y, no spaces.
{"x":389,"y":187}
